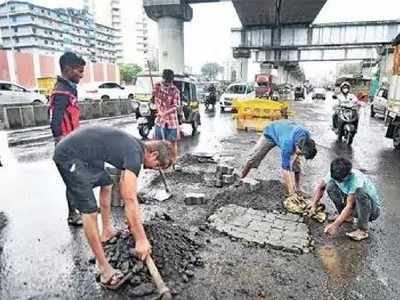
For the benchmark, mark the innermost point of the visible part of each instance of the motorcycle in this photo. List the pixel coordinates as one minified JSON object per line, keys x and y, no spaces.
{"x":345,"y":125}
{"x":211,"y":99}
{"x":393,"y":123}
{"x":146,"y":116}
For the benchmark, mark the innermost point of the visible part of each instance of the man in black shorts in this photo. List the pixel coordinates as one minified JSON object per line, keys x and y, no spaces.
{"x":80,"y":159}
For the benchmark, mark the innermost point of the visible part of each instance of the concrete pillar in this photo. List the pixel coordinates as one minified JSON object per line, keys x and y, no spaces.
{"x":170,"y":16}
{"x":244,"y":69}
{"x":11,"y":65}
{"x":170,"y":37}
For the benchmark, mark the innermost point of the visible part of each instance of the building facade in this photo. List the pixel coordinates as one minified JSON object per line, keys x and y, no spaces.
{"x":26,"y":27}
{"x":129,"y":19}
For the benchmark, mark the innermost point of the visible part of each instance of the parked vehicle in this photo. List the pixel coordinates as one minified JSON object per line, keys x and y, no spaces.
{"x":11,"y":93}
{"x":380,"y":102}
{"x":188,"y":112}
{"x":346,"y":123}
{"x":393,"y":112}
{"x":234,"y":91}
{"x":319,"y":94}
{"x":299,"y":93}
{"x":104,"y":91}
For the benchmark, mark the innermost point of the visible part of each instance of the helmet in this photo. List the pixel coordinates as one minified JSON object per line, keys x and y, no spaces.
{"x":345,"y":83}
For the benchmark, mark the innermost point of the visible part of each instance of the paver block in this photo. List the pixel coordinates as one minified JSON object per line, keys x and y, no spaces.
{"x":250,"y":184}
{"x":255,"y":226}
{"x":195,"y":199}
{"x":228,"y":179}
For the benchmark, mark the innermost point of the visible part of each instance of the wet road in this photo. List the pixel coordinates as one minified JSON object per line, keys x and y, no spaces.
{"x":42,"y":258}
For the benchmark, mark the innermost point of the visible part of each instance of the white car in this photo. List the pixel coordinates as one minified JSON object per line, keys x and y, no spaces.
{"x":234,"y":91}
{"x":380,"y":102}
{"x":104,"y":91}
{"x":11,"y":93}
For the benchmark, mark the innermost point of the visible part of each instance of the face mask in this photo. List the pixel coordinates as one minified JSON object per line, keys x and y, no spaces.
{"x":346,"y":90}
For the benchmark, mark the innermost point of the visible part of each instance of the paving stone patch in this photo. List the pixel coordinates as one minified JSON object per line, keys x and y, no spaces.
{"x":279,"y":231}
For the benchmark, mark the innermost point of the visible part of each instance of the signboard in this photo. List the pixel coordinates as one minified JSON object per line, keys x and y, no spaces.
{"x":241,"y":53}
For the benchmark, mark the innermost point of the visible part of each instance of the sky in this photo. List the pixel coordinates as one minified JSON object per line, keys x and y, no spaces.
{"x":207,"y":36}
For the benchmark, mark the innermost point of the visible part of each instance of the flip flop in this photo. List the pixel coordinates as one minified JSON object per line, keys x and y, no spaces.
{"x":75,"y":220}
{"x":357,"y":235}
{"x":112,"y":240}
{"x":115,"y":281}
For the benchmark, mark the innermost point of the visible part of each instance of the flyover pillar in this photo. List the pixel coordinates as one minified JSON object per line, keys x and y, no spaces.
{"x":170,"y":17}
{"x":244,"y":69}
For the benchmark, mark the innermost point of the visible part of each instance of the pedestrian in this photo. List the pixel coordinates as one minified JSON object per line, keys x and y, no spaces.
{"x":353,"y":194}
{"x":64,"y":109}
{"x":167,"y":99}
{"x":80,"y":159}
{"x":294,"y":141}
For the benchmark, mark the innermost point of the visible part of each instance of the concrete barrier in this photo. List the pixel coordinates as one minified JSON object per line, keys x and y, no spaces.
{"x":22,"y":116}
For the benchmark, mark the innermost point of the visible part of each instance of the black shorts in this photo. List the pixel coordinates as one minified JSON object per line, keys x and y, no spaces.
{"x":80,"y":179}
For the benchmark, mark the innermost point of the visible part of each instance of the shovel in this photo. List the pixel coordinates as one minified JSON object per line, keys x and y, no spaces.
{"x":162,"y":288}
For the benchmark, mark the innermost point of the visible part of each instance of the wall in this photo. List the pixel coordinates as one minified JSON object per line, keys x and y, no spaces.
{"x":23,"y":116}
{"x":24,"y":67}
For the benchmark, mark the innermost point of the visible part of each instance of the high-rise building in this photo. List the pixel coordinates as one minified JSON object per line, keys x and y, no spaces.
{"x":129,"y":18}
{"x":32,"y":28}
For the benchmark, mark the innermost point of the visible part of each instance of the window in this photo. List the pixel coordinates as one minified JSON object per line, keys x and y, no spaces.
{"x":46,"y":42}
{"x":12,"y":8}
{"x":14,"y":19}
{"x":16,"y":40}
{"x":15,"y":29}
{"x":34,"y":30}
{"x":33,"y":18}
{"x":237,"y":89}
{"x":5,"y":87}
{"x":16,"y":88}
{"x":42,"y":11}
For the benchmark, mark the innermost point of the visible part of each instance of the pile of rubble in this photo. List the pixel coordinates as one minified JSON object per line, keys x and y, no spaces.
{"x":174,"y":252}
{"x":250,"y":193}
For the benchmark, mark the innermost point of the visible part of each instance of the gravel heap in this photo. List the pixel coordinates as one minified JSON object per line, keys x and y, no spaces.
{"x":268,"y":196}
{"x":175,"y":254}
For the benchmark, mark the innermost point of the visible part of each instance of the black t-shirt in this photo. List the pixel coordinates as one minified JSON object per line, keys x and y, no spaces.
{"x":97,"y":145}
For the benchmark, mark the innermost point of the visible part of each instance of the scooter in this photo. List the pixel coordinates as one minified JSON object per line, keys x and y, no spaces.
{"x":345,"y":122}
{"x":211,"y":99}
{"x":146,"y":116}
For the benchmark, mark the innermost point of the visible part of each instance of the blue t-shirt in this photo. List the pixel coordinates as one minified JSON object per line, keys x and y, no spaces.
{"x":356,"y":180}
{"x":286,"y":134}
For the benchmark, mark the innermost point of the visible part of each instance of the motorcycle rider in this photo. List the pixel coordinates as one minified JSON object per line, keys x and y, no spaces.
{"x":212,"y":97}
{"x":344,"y":97}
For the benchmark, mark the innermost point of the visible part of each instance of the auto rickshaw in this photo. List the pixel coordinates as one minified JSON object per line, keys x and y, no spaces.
{"x":188,"y":112}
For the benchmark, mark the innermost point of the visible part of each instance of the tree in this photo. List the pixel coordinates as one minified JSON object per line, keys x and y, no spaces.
{"x":129,"y":72}
{"x":211,"y":70}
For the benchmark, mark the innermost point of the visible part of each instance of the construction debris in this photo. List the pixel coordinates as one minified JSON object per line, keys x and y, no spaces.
{"x":195,"y":199}
{"x":175,"y":253}
{"x":298,"y":205}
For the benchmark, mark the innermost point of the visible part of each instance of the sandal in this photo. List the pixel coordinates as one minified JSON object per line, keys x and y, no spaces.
{"x":115,"y":281}
{"x":357,"y":235}
{"x":112,"y":240}
{"x":75,"y":220}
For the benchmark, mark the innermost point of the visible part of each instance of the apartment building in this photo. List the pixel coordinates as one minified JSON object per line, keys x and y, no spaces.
{"x":127,"y":17}
{"x":26,"y":27}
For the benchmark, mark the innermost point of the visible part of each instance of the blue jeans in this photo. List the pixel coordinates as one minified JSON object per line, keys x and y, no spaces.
{"x":365,"y":209}
{"x":168,"y":134}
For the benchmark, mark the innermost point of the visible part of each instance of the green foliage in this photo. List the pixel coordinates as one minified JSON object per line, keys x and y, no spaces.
{"x":129,"y":72}
{"x":211,"y":70}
